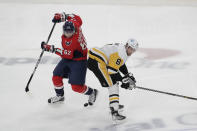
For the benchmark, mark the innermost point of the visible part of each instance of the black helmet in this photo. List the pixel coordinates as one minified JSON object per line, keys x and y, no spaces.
{"x":68,"y":26}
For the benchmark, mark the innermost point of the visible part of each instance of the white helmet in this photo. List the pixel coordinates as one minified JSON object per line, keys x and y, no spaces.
{"x":132,"y":43}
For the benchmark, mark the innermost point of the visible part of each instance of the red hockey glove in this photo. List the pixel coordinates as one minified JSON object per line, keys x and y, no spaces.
{"x":59,"y":17}
{"x":49,"y":48}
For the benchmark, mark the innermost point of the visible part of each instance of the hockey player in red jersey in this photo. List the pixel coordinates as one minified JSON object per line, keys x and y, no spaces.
{"x":73,"y":64}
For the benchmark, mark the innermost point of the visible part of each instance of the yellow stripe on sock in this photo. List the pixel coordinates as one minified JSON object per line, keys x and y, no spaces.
{"x":114,"y":98}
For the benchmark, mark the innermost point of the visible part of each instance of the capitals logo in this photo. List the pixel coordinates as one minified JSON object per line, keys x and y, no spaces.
{"x":68,"y":42}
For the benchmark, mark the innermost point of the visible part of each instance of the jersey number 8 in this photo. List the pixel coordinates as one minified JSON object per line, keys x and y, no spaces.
{"x":118,"y":61}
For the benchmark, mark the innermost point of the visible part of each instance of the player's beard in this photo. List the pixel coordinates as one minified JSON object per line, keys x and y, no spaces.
{"x":68,"y":34}
{"x":129,"y":51}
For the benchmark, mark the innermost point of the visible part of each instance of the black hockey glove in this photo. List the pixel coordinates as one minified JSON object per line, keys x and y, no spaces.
{"x":128,"y":81}
{"x":46,"y":47}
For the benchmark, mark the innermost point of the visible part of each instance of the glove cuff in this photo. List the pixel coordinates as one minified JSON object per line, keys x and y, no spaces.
{"x":129,"y":74}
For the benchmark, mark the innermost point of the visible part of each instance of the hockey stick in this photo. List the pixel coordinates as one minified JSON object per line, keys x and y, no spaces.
{"x":27,"y":86}
{"x":167,"y":93}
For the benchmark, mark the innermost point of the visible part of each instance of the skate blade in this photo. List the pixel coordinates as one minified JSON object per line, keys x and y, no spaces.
{"x":60,"y":101}
{"x":118,"y":122}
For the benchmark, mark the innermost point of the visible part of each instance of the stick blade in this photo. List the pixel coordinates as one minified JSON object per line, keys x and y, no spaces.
{"x":26,"y":89}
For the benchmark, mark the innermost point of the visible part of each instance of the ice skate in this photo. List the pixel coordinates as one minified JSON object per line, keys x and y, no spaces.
{"x":92,"y":98}
{"x":56,"y":99}
{"x":116,"y":116}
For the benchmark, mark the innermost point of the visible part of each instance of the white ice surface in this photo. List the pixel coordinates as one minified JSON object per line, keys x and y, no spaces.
{"x":174,"y":28}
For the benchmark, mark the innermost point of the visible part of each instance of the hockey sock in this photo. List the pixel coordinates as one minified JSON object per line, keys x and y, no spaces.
{"x":59,"y":91}
{"x":82,"y":89}
{"x":114,"y":96}
{"x":58,"y":83}
{"x":88,"y":91}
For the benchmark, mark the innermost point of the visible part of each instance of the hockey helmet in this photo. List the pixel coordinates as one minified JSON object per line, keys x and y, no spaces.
{"x":132,"y":43}
{"x":69,"y":27}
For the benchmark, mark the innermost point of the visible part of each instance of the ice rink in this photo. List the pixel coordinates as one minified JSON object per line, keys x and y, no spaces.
{"x":166,"y":60}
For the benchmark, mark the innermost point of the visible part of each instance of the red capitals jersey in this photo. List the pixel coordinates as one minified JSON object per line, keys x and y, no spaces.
{"x":75,"y":47}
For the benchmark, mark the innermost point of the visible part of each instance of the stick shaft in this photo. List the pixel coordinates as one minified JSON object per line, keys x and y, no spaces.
{"x":167,"y":93}
{"x":39,"y":59}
